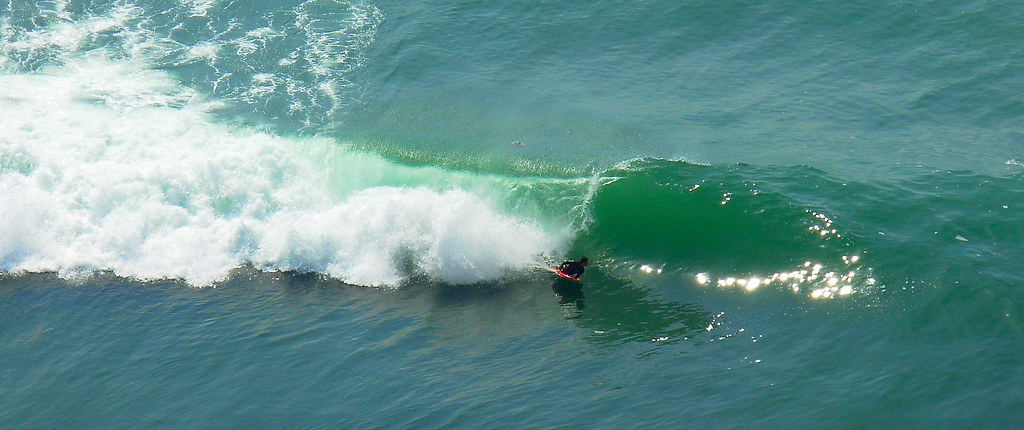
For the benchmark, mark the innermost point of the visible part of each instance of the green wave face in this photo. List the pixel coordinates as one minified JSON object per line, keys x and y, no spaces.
{"x":693,"y":216}
{"x":716,"y":225}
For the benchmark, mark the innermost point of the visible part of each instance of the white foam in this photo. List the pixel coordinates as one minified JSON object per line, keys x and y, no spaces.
{"x":198,"y":8}
{"x":65,"y":35}
{"x":108,"y":166}
{"x":298,"y":70}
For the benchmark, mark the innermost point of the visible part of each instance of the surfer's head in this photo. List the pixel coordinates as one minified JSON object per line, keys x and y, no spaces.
{"x":584,"y":261}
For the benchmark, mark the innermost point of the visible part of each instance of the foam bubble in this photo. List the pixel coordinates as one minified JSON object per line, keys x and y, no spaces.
{"x":108,"y":166}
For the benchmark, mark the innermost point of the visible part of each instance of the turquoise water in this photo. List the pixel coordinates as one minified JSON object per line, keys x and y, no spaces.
{"x":311,"y":214}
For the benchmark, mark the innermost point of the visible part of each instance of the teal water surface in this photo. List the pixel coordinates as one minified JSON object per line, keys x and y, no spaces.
{"x":312,"y":214}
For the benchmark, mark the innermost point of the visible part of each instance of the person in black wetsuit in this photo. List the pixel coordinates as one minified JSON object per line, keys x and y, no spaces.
{"x":570,"y":294}
{"x":573,"y":268}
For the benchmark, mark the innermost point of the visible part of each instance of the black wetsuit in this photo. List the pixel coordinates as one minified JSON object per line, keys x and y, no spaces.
{"x":572,"y":268}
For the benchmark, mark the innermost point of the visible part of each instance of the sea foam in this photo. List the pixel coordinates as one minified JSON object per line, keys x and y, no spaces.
{"x":107,"y":165}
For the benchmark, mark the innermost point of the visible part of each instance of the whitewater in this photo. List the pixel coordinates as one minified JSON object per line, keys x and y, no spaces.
{"x":112,"y":167}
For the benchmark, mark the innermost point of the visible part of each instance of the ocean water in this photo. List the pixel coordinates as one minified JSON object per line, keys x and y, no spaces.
{"x":311,"y":214}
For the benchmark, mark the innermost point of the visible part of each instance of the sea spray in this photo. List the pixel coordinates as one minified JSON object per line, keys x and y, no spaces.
{"x":109,"y":166}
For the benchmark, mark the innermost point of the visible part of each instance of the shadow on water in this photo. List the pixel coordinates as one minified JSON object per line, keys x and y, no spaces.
{"x":619,"y":311}
{"x":570,"y":296}
{"x":610,"y":310}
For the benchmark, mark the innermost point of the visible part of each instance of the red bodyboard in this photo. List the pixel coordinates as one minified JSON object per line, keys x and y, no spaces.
{"x":562,"y":274}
